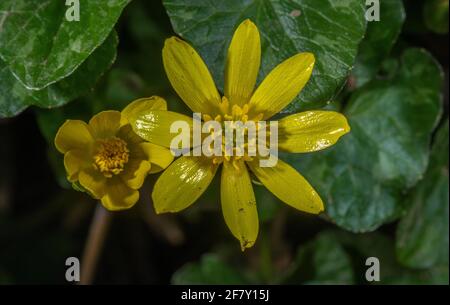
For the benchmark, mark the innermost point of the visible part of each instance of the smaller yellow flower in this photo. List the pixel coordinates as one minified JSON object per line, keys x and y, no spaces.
{"x":107,"y":158}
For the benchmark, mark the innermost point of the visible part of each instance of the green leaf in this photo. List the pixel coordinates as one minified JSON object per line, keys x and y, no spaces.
{"x":380,"y":37}
{"x":331,"y":30}
{"x":362,"y":177}
{"x":211,"y":270}
{"x":435,"y":13}
{"x":363,"y":246}
{"x":422,"y":236}
{"x":41,"y":46}
{"x":321,"y":261}
{"x":14,"y":97}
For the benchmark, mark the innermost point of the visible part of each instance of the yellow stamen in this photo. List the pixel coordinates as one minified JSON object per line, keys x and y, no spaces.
{"x":233,"y":114}
{"x":111,"y":156}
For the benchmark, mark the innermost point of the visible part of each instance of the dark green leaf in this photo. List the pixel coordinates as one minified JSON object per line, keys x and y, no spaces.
{"x":331,"y":30}
{"x":436,"y":15}
{"x":322,"y":261}
{"x":363,"y":246}
{"x":380,"y":37}
{"x":362,"y":177}
{"x":210,"y":270}
{"x":14,"y":97}
{"x":41,"y":46}
{"x":422,"y":236}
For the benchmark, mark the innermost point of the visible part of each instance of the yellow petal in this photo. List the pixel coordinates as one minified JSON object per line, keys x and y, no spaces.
{"x":74,"y":161}
{"x":190,"y":76}
{"x":182,"y":183}
{"x":93,"y":181}
{"x":135,"y":172}
{"x":105,"y":124}
{"x":288,"y":185}
{"x":311,"y":130}
{"x":142,"y":104}
{"x":159,"y":156}
{"x":118,"y":196}
{"x":282,"y":85}
{"x":73,"y":134}
{"x":238,"y":203}
{"x":154,"y":125}
{"x":243,"y":60}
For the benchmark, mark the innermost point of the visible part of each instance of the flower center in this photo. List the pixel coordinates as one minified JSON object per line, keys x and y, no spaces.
{"x":234,"y":114}
{"x":111,"y":156}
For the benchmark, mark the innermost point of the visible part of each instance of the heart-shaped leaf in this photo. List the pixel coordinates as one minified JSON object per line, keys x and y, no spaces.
{"x":362,"y":177}
{"x":331,"y":30}
{"x":14,"y":97}
{"x":41,"y":46}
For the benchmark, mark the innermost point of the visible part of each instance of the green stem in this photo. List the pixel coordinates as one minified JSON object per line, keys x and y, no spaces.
{"x":94,"y":244}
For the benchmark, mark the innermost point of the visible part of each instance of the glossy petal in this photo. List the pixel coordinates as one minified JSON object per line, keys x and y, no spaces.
{"x":154,"y":125}
{"x":190,"y":76}
{"x":74,"y":161}
{"x":243,"y":60}
{"x":288,"y":185}
{"x":238,"y":203}
{"x":182,"y":183}
{"x":282,"y":85}
{"x":142,"y":104}
{"x":159,"y":156}
{"x":105,"y":124}
{"x":118,"y":196}
{"x":311,"y":131}
{"x":73,"y":134}
{"x":135,"y":173}
{"x":93,"y":181}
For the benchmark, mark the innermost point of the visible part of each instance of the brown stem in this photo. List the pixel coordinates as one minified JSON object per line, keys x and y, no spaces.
{"x":94,"y":244}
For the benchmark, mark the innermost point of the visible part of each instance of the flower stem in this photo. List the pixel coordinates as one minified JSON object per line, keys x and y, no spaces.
{"x":94,"y":244}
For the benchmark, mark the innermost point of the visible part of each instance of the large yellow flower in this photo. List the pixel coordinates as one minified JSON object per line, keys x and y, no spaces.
{"x":107,"y":158}
{"x":188,"y":177}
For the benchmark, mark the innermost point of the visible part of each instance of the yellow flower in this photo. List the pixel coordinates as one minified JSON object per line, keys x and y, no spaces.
{"x":187,"y":178}
{"x":107,"y":158}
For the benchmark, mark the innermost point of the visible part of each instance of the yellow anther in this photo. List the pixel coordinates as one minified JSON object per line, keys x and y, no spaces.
{"x":235,"y":114}
{"x":207,"y":118}
{"x":111,"y":157}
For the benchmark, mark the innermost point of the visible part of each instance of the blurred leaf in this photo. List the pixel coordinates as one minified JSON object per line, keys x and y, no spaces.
{"x":436,"y":15}
{"x":380,"y":37}
{"x":211,"y":270}
{"x":363,"y":176}
{"x":14,"y":97}
{"x":363,"y":246}
{"x":41,"y":46}
{"x":422,"y":236}
{"x":321,"y":261}
{"x":268,"y":205}
{"x":331,"y":30}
